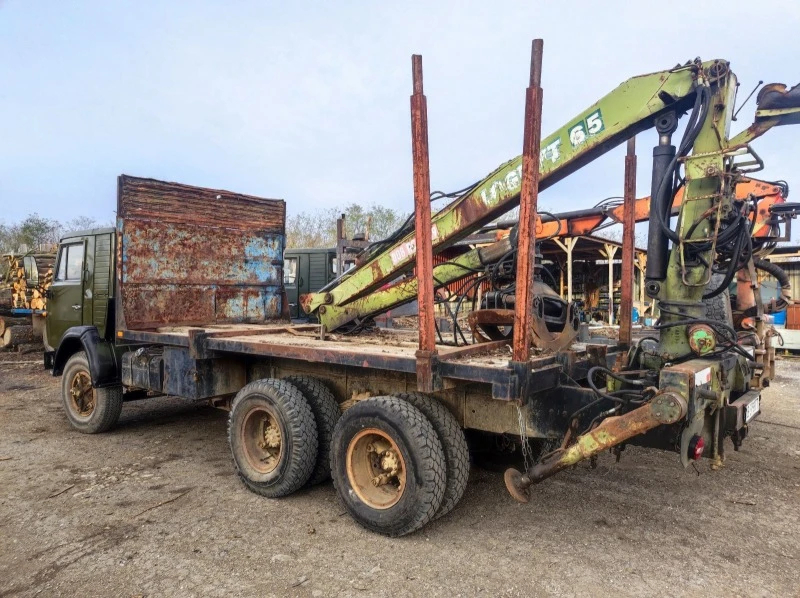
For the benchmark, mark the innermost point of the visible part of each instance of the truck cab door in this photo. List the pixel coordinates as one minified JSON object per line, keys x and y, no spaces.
{"x":290,"y":280}
{"x":65,"y":296}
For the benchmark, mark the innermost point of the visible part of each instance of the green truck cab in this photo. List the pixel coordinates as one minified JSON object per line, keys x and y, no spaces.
{"x":83,"y":284}
{"x":179,"y":255}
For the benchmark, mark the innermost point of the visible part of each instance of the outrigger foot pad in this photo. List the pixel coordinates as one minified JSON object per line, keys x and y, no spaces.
{"x":515,"y":486}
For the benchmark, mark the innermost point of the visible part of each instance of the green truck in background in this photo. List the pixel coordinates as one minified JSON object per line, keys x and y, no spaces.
{"x":307,"y":271}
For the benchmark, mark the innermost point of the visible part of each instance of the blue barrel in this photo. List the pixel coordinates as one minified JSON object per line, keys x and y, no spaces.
{"x":779,"y":318}
{"x":635,"y":315}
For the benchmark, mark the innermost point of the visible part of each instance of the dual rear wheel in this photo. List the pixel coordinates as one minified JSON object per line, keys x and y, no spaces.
{"x":397,"y":462}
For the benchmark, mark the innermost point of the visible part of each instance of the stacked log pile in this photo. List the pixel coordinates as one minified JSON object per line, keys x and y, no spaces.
{"x":23,"y":296}
{"x":17,"y":332}
{"x":17,"y":336}
{"x":9,"y":321}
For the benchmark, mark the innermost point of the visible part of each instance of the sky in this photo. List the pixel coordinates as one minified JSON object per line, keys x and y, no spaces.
{"x":309,"y":101}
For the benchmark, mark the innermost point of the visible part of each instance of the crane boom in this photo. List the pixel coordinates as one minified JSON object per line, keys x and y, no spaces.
{"x":624,"y":112}
{"x":582,"y":222}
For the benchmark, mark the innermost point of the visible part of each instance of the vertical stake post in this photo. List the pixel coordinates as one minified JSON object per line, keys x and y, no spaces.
{"x":628,"y":240}
{"x":529,"y":192}
{"x":422,"y":220}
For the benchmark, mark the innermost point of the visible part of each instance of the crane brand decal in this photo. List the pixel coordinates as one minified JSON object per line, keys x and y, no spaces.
{"x":591,"y":125}
{"x":501,"y":188}
{"x":512,"y":182}
{"x":406,"y":250}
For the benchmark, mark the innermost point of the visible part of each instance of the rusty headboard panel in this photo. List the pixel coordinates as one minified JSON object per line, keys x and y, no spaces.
{"x":193,"y":256}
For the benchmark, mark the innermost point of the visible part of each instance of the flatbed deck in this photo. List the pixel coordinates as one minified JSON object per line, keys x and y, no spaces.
{"x":396,"y":351}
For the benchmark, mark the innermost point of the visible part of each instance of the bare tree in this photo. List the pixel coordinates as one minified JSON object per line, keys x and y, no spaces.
{"x":318,"y":228}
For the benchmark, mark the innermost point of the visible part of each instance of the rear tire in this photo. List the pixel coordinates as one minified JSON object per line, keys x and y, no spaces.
{"x":719,"y":308}
{"x":388,"y":466}
{"x":89,"y":410}
{"x":273,"y":437}
{"x":326,"y":413}
{"x":454,"y":445}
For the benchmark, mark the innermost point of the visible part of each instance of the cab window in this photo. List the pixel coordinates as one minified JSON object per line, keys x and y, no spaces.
{"x":70,"y":262}
{"x":289,"y":270}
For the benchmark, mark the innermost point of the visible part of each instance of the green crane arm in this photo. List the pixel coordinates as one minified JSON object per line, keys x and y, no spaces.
{"x":627,"y":110}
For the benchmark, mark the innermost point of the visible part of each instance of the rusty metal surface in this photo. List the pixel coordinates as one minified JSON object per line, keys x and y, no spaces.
{"x":473,"y":350}
{"x":173,"y":202}
{"x":628,"y":248}
{"x":485,"y":323}
{"x":192,"y":256}
{"x":422,"y":213}
{"x":529,"y":193}
{"x":666,"y":408}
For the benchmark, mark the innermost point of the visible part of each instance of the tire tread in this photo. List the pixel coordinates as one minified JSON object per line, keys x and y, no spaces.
{"x":454,"y":444}
{"x":424,"y":442}
{"x":326,"y":413}
{"x":301,"y":426}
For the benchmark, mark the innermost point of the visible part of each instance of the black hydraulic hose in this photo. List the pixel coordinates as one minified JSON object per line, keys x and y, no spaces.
{"x":731,"y":333}
{"x":733,"y":266}
{"x":549,"y":274}
{"x":589,"y":378}
{"x":779,"y":273}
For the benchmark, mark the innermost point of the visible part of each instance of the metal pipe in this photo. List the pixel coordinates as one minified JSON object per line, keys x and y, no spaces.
{"x":422,"y":220}
{"x":529,"y":192}
{"x":628,"y":240}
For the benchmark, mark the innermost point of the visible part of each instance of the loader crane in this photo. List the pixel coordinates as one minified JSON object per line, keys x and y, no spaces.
{"x":697,"y":379}
{"x":145,"y":310}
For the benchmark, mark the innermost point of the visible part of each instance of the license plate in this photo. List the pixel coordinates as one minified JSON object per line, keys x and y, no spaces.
{"x":753,"y":408}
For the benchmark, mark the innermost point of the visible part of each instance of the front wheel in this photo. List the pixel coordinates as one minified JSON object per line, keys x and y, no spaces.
{"x":388,"y":466}
{"x":89,"y":410}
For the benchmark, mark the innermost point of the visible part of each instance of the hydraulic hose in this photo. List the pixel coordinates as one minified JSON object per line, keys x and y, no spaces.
{"x":742,"y":242}
{"x":779,"y":273}
{"x":783,"y":279}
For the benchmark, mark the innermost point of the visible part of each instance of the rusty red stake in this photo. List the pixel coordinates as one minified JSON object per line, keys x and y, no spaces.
{"x":628,"y":250}
{"x":422,"y":218}
{"x":526,"y":248}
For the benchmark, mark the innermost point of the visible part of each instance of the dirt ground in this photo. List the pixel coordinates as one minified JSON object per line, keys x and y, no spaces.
{"x":154,"y":509}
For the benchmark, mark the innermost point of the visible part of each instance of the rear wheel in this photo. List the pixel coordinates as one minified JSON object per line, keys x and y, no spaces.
{"x":273,"y":437}
{"x":89,"y":410}
{"x":326,"y":413}
{"x":388,"y":466}
{"x":454,"y":445}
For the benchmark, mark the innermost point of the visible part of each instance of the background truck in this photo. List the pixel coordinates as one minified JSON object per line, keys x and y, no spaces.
{"x":185,"y":298}
{"x":23,"y":303}
{"x":306,"y":270}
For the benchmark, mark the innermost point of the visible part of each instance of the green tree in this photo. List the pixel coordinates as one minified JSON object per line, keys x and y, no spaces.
{"x":38,"y":233}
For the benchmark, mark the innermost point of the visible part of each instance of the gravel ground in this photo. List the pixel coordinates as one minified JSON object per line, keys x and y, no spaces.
{"x":154,"y":509}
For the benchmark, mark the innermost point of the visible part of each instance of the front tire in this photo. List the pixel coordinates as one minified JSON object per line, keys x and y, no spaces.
{"x":388,"y":466}
{"x":273,"y":437}
{"x":89,"y":410}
